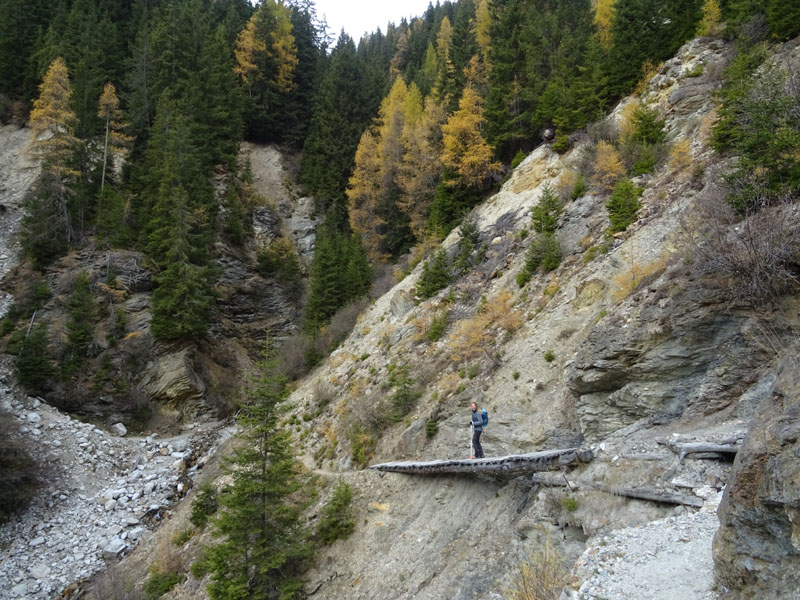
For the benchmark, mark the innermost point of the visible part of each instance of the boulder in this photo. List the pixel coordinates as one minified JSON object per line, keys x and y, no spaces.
{"x":757,"y":547}
{"x":114,"y":548}
{"x":119,"y":429}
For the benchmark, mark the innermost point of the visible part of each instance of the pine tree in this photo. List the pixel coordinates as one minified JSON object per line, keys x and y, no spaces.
{"x":183,"y":302}
{"x":34,"y":365}
{"x":343,"y":109}
{"x":80,"y":326}
{"x":263,"y":542}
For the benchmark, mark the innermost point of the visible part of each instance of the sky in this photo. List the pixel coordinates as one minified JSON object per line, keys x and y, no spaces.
{"x":361,"y":16}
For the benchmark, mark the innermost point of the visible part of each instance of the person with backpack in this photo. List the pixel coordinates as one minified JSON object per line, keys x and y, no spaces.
{"x":480,"y":418}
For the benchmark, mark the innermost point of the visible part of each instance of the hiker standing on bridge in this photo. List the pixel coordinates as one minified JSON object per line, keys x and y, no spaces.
{"x":477,"y":428}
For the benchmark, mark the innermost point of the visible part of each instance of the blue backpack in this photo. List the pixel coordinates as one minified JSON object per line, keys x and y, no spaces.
{"x":484,"y":417}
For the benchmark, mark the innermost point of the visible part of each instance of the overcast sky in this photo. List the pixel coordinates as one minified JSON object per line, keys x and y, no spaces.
{"x":360,"y":16}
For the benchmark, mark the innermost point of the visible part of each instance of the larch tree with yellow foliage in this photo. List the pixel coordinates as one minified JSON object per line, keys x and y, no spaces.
{"x":266,"y":58}
{"x":47,"y":228}
{"x":466,"y":152}
{"x":115,"y":141}
{"x":375,"y":191}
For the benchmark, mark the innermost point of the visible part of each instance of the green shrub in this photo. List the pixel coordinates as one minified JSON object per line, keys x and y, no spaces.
{"x":337,"y":521}
{"x":18,"y":476}
{"x":580,"y":188}
{"x":160,"y":583}
{"x":438,"y":326}
{"x":204,"y":505}
{"x":523,"y":277}
{"x":570,"y":503}
{"x":623,"y":205}
{"x":544,"y":216}
{"x":549,"y":355}
{"x":646,"y":161}
{"x":544,"y":252}
{"x":648,"y":126}
{"x":515,"y":375}
{"x":561,"y":143}
{"x":518,"y":158}
{"x":435,"y":275}
{"x":34,"y":366}
{"x":593,"y":251}
{"x":431,"y":428}
{"x":362,"y":445}
{"x":183,"y":536}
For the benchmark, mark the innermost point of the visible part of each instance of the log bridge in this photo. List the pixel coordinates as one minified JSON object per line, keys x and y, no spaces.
{"x":514,"y":464}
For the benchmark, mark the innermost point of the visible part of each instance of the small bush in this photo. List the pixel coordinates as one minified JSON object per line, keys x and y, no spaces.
{"x":204,"y":505}
{"x":580,"y":188}
{"x":181,"y":537}
{"x":435,"y":275}
{"x":518,"y":158}
{"x":544,"y":252}
{"x":570,"y":503}
{"x":608,"y":167}
{"x":280,"y":261}
{"x":549,"y":355}
{"x":623,"y":205}
{"x":160,"y":583}
{"x":523,"y":277}
{"x":337,"y":521}
{"x":431,"y":428}
{"x":18,"y":471}
{"x":438,"y":326}
{"x":561,"y":143}
{"x":515,"y":375}
{"x":541,"y":577}
{"x":34,"y":366}
{"x":362,"y":445}
{"x":593,"y":251}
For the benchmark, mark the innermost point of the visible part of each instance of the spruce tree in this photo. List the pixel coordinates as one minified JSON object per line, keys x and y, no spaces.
{"x":263,"y":542}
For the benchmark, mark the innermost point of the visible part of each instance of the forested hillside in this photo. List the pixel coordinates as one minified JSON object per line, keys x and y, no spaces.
{"x":138,"y":108}
{"x":149,"y":254}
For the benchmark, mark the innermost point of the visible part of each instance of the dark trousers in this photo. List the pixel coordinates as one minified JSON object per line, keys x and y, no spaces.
{"x":476,"y":443}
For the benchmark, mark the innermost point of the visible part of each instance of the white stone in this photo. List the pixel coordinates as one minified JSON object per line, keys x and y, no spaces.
{"x":20,"y":590}
{"x":111,"y":505}
{"x":37,"y":541}
{"x":119,"y":429}
{"x":33,"y":417}
{"x":40,"y":571}
{"x":114,"y":548}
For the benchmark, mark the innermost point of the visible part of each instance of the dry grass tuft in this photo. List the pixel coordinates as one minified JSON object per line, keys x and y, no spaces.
{"x":541,"y":577}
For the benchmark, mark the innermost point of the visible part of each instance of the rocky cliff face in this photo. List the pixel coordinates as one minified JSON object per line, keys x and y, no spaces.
{"x":757,"y":547}
{"x":175,"y":384}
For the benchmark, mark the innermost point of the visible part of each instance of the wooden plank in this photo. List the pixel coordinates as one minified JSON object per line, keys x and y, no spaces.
{"x":515,"y":463}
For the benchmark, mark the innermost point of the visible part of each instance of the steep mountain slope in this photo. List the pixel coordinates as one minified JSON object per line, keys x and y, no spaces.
{"x":644,"y":353}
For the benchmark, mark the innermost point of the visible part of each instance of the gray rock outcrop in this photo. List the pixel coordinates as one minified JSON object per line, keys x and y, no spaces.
{"x":757,"y":547}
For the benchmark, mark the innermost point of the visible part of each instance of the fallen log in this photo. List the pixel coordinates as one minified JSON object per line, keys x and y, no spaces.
{"x":502,"y":465}
{"x":651,"y":494}
{"x":683,"y":449}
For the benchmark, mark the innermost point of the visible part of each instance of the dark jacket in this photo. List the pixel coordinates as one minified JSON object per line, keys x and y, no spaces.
{"x":477,"y":420}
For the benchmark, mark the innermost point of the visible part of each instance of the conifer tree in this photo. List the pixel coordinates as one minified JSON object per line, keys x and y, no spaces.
{"x":263,"y":542}
{"x":80,"y":326}
{"x":466,"y":151}
{"x":115,"y":138}
{"x":47,"y":227}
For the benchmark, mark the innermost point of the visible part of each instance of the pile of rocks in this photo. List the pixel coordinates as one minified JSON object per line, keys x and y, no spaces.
{"x":669,"y":559}
{"x":100,"y":495}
